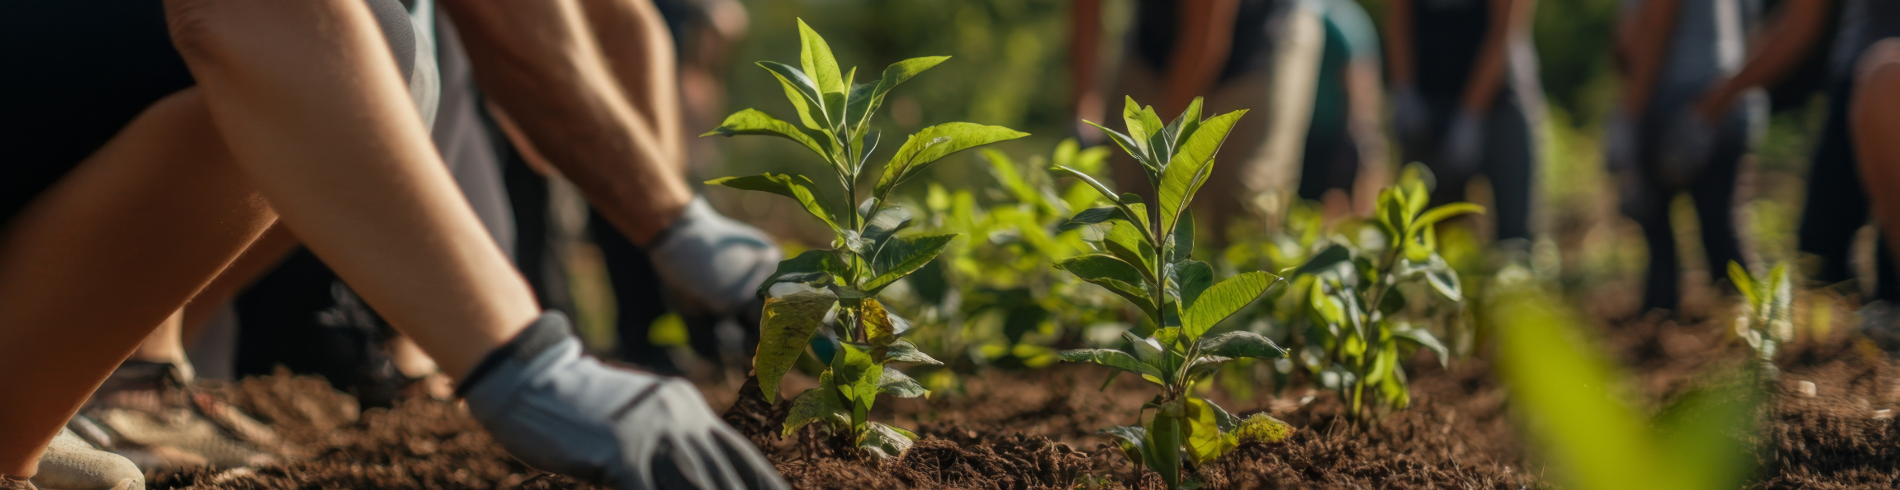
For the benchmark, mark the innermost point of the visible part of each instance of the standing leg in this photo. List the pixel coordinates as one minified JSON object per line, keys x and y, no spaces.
{"x":1511,"y":161}
{"x":1836,"y":205}
{"x":1876,"y":129}
{"x":1714,"y":195}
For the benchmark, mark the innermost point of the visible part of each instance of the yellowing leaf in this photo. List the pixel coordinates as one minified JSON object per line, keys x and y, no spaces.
{"x":793,"y":312}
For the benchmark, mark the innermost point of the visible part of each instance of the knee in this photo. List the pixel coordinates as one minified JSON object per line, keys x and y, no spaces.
{"x":200,"y":29}
{"x":1878,"y":68}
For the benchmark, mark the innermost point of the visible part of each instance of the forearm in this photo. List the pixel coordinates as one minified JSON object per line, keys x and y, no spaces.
{"x":1785,"y":45}
{"x":1645,"y":42}
{"x":639,"y":50}
{"x":1398,"y":42}
{"x":1290,"y":106}
{"x":1205,"y":38}
{"x":539,"y":62}
{"x":312,"y":107}
{"x":1487,"y":73}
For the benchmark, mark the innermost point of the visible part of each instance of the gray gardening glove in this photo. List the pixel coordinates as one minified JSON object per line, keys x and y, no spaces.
{"x":712,"y":263}
{"x":1464,"y":144}
{"x":567,"y":413}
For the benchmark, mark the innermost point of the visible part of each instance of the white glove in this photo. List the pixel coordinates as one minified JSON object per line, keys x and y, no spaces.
{"x":563,"y":412}
{"x":713,"y":263}
{"x":1689,"y":142}
{"x":1464,"y":144}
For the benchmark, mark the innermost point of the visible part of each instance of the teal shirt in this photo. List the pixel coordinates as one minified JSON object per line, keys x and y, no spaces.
{"x":1350,"y":35}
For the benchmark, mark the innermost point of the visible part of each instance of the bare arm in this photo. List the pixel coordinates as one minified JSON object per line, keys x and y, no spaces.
{"x":639,"y":49}
{"x":312,"y":107}
{"x":1642,"y":44}
{"x":1206,"y":36}
{"x":1783,"y":46}
{"x":1365,"y":103}
{"x":1085,"y":35}
{"x":1513,"y":19}
{"x":1398,"y":42}
{"x":540,"y":62}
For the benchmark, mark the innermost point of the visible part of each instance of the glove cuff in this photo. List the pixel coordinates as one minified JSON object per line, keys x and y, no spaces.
{"x":545,"y":333}
{"x":695,"y":210}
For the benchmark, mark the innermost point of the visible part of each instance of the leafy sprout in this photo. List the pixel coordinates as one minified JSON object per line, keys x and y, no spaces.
{"x":842,"y":283}
{"x":1145,"y":256}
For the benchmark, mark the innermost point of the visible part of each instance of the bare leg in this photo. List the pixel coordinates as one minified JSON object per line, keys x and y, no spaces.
{"x":143,"y":223}
{"x":1875,"y":122}
{"x":318,"y":117}
{"x":264,"y":254}
{"x":166,"y":344}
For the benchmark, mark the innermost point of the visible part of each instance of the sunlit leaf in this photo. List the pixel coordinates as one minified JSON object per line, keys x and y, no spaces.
{"x":1112,"y":273}
{"x":1192,"y":278}
{"x":1164,"y":446}
{"x":753,"y":122}
{"x":797,"y":187}
{"x":819,"y":404}
{"x":935,"y":142}
{"x":812,"y":266}
{"x":1424,"y":338}
{"x":896,"y":384}
{"x":1126,"y":242}
{"x":903,"y":255}
{"x":793,"y":312}
{"x":1241,"y":344}
{"x":1191,"y":166}
{"x":901,"y":351}
{"x":1441,"y":213}
{"x":881,"y":326}
{"x":889,"y":220}
{"x":802,"y":92}
{"x":1201,"y":433}
{"x":1092,"y":216}
{"x":1223,"y":299}
{"x":814,"y":55}
{"x":1111,"y":358}
{"x":884,"y":441}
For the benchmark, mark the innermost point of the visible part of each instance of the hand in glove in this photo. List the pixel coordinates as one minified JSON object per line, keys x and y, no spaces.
{"x":1464,"y":144}
{"x":1689,"y":142}
{"x":567,"y":413}
{"x":1619,"y":143}
{"x":713,"y":264}
{"x":1411,"y":118}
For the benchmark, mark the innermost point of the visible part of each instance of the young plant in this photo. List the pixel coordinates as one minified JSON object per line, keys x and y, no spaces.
{"x":1767,"y":320}
{"x":1595,"y":438}
{"x":839,"y":286}
{"x":1146,"y":258}
{"x":1357,"y":294}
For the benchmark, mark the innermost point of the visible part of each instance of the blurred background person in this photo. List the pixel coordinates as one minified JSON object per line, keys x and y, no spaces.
{"x":1838,"y":205}
{"x":1467,"y":101}
{"x":1345,"y":159}
{"x":1658,"y":146}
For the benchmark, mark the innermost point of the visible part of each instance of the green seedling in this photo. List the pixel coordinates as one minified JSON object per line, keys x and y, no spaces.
{"x":1593,"y":437}
{"x":1357,"y":293}
{"x":839,"y":286}
{"x":1146,"y":258}
{"x":1767,"y":320}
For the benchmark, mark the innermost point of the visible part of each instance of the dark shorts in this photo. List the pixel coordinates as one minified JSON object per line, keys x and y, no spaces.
{"x":78,"y":72}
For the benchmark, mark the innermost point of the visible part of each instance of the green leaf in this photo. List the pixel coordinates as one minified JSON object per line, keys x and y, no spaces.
{"x":1099,"y":187}
{"x":857,"y":376}
{"x":1128,"y":145}
{"x":1182,"y":246}
{"x":1127,"y":242}
{"x":1743,"y":282}
{"x":901,"y":256}
{"x":1325,"y":260}
{"x":1143,"y":125}
{"x":1699,"y":429}
{"x":816,"y":58}
{"x":819,"y":404}
{"x":1241,"y":344}
{"x":901,"y":351}
{"x":802,"y":92}
{"x":897,"y":384}
{"x":1192,"y":278}
{"x":754,"y":122}
{"x":1443,"y":279}
{"x":812,"y":266}
{"x":887,"y":222}
{"x":1442,"y":213}
{"x":1111,"y":358}
{"x":1092,"y":216}
{"x":1191,"y":166}
{"x":793,"y":311}
{"x":1202,"y":432}
{"x":1424,"y":338}
{"x":1224,"y":299}
{"x":1112,"y":273}
{"x":1164,"y":446}
{"x":881,"y":326}
{"x":874,"y":95}
{"x":884,"y":441}
{"x":935,"y":142}
{"x":1185,"y":125}
{"x":797,"y":187}
{"x":1132,"y":439}
{"x":1264,"y":429}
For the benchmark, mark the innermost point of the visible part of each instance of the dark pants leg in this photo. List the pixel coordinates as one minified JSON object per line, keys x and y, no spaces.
{"x":1662,"y":283}
{"x":1714,"y":195}
{"x":639,"y":297}
{"x":1510,"y":160}
{"x":1837,"y":205}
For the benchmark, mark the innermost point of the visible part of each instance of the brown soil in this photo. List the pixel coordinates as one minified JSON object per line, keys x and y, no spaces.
{"x":1023,"y":430}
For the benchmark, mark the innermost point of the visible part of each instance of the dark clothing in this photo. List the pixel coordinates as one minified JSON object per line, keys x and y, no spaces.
{"x":1713,"y":194}
{"x":1157,"y":25}
{"x":1837,"y":204}
{"x":79,"y":72}
{"x":1331,"y":161}
{"x":1446,"y":36}
{"x":1510,"y":159}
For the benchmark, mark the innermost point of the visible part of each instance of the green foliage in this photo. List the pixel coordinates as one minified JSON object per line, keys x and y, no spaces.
{"x":1357,"y":292}
{"x":1767,"y":320}
{"x":867,"y":256}
{"x":1145,"y":255}
{"x":1597,"y":441}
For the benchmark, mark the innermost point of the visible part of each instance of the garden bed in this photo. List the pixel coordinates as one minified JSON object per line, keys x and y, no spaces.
{"x":1036,"y":429}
